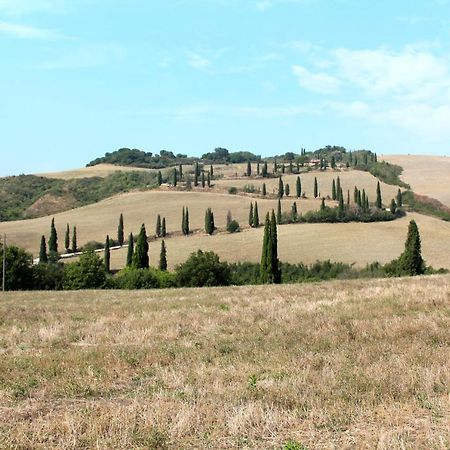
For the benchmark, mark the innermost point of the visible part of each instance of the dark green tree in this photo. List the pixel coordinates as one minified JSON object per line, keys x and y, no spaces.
{"x":67,"y":238}
{"x":264,"y":170}
{"x":255,"y":216}
{"x":338,"y":189}
{"x":74,"y":240}
{"x":163,"y":228}
{"x":411,"y":261}
{"x":298,"y":187}
{"x":208,"y":180}
{"x":186,"y":222}
{"x":333,"y":162}
{"x":294,"y":212}
{"x":158,"y":226}
{"x":107,"y":256}
{"x":269,"y":268}
{"x":399,"y":198}
{"x":355,"y":195}
{"x":209,"y":221}
{"x":229,"y":218}
{"x":130,"y":251}
{"x":249,"y":169}
{"x":287,"y":190}
{"x":196,"y":173}
{"x":163,"y":257}
{"x":316,"y":188}
{"x":264,"y":190}
{"x":378,"y":203}
{"x":322,"y":205}
{"x":341,"y":207}
{"x":53,"y":241}
{"x":280,"y":188}
{"x":88,"y":273}
{"x":257,"y":168}
{"x":175,"y":177}
{"x":279,"y":213}
{"x":180,"y":171}
{"x":160,"y":180}
{"x":211,"y":171}
{"x":43,"y":259}
{"x":140,"y":257}
{"x":18,"y":268}
{"x":393,"y":206}
{"x":120,"y":231}
{"x":250,"y":215}
{"x":333,"y":190}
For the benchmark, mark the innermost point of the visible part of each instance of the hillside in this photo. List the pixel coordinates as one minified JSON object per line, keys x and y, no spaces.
{"x":427,"y":175}
{"x":354,"y":364}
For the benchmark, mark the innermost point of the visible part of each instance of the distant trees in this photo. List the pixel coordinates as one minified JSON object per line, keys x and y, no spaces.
{"x":163,"y":257}
{"x":255,"y":223}
{"x":53,"y":242}
{"x":120,"y":231}
{"x":250,"y":215}
{"x":280,"y":188}
{"x":269,"y":268}
{"x":163,"y":228}
{"x":378,"y":202}
{"x":107,"y":256}
{"x":140,"y":257}
{"x":264,"y":190}
{"x":185,"y":221}
{"x":209,"y":221}
{"x":43,"y":251}
{"x":298,"y":187}
{"x":158,"y":226}
{"x":287,"y":190}
{"x":279,"y":212}
{"x":316,"y":188}
{"x":249,"y":169}
{"x":67,"y":238}
{"x":74,"y":240}
{"x":130,"y":251}
{"x":87,"y":273}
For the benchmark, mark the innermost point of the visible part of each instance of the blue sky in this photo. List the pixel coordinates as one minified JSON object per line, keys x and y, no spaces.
{"x":79,"y":78}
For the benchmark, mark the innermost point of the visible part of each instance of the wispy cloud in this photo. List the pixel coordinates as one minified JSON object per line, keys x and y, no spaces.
{"x":23,"y":7}
{"x":28,"y":32}
{"x":317,"y":82}
{"x":197,"y":61}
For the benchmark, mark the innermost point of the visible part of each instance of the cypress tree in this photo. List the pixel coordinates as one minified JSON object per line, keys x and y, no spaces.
{"x":279,"y":214}
{"x":140,"y":257}
{"x":355,"y":195}
{"x":294,"y":212}
{"x":378,"y":202}
{"x":269,"y":268}
{"x":255,"y":216}
{"x":291,"y":168}
{"x":367,"y":206}
{"x":107,"y":257}
{"x":264,"y":275}
{"x":257,"y":168}
{"x":275,"y":271}
{"x":163,"y":228}
{"x":298,"y":167}
{"x":264,"y":171}
{"x":341,"y":209}
{"x":175,"y":177}
{"x":338,"y":189}
{"x":280,"y":188}
{"x":211,"y":171}
{"x":159,"y":178}
{"x":322,"y":205}
{"x":229,"y":219}
{"x":264,"y":190}
{"x":411,"y":261}
{"x":53,"y":241}
{"x":333,"y":190}
{"x":249,"y":168}
{"x":120,"y":231}
{"x":287,"y":190}
{"x":183,"y":222}
{"x":209,"y":221}
{"x":67,"y":238}
{"x":333,"y":162}
{"x":203,"y":179}
{"x":283,"y":169}
{"x":393,"y":207}
{"x":43,"y":259}
{"x":180,"y":171}
{"x":275,"y":166}
{"x":208,"y":180}
{"x":316,"y":188}
{"x":74,"y":240}
{"x":359,"y":201}
{"x":186,"y":218}
{"x":363,"y":199}
{"x":250,"y":215}
{"x":163,"y":257}
{"x":158,"y":226}
{"x":348,"y":197}
{"x":130,"y":252}
{"x":196,"y":174}
{"x":355,"y":162}
{"x":399,"y":198}
{"x":298,"y":187}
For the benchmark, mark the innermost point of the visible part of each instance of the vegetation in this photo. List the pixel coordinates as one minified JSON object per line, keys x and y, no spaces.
{"x":425,"y":205}
{"x":269,"y":268}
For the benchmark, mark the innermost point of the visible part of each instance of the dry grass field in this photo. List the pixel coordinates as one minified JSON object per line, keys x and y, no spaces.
{"x":427,"y":175}
{"x":357,"y":243}
{"x":348,"y":365}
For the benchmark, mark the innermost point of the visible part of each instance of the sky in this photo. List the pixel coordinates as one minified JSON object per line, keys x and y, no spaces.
{"x":79,"y":78}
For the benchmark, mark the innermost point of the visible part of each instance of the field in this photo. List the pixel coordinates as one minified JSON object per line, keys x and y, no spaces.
{"x":349,"y":365}
{"x":427,"y":175}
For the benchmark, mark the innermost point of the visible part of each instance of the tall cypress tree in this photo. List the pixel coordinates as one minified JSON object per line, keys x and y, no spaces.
{"x":338,"y":189}
{"x":298,"y":187}
{"x":163,"y":257}
{"x":229,"y":219}
{"x":211,"y":171}
{"x":180,"y":171}
{"x":265,"y":170}
{"x":140,"y":257}
{"x":359,"y":200}
{"x":163,"y":228}
{"x":379,"y":201}
{"x":294,"y":212}
{"x":107,"y":257}
{"x":411,"y":261}
{"x":264,"y":273}
{"x":67,"y":238}
{"x":255,"y":216}
{"x":196,"y":174}
{"x":183,"y":222}
{"x":275,"y":271}
{"x":249,"y":169}
{"x":120,"y":231}
{"x":53,"y":241}
{"x":333,"y":190}
{"x":159,"y":178}
{"x":341,"y":208}
{"x":74,"y":240}
{"x":322,"y":205}
{"x":203,"y":179}
{"x":269,"y":268}
{"x":186,"y":218}
{"x":43,"y":259}
{"x":355,"y":195}
{"x":348,"y":197}
{"x":158,"y":226}
{"x":257,"y":168}
{"x":287,"y":190}
{"x":279,"y":214}
{"x":175,"y":177}
{"x":209,"y":221}
{"x":399,"y":198}
{"x":208,"y":180}
{"x":130,"y":251}
{"x":250,"y":215}
{"x":280,"y":188}
{"x":393,"y":207}
{"x":316,"y":188}
{"x":264,"y":190}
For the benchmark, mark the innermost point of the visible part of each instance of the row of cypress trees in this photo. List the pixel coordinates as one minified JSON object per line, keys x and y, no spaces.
{"x":52,"y":254}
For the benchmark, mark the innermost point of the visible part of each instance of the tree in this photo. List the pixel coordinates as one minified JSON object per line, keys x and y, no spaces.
{"x":208,"y":180}
{"x":229,"y":218}
{"x":180,"y":171}
{"x":264,"y":190}
{"x":175,"y":177}
{"x":316,"y":188}
{"x":257,"y":168}
{"x":249,"y":169}
{"x":74,"y":240}
{"x":140,"y":257}
{"x":333,"y":162}
{"x":279,"y":213}
{"x":333,"y":190}
{"x":379,"y":201}
{"x":107,"y":257}
{"x":196,"y":173}
{"x":411,"y":261}
{"x":87,"y":273}
{"x":203,"y":269}
{"x":322,"y":205}
{"x":269,"y":268}
{"x":341,"y":208}
{"x":163,"y":228}
{"x":264,"y":172}
{"x":160,"y":180}
{"x":203,"y":179}
{"x":211,"y":171}
{"x":53,"y":241}
{"x":280,"y":188}
{"x":120,"y":231}
{"x":250,"y":215}
{"x":209,"y":221}
{"x":43,"y":259}
{"x":18,"y":270}
{"x":298,"y":187}
{"x":393,"y":206}
{"x":355,"y":195}
{"x":338,"y":188}
{"x":287,"y":190}
{"x":130,"y":252}
{"x":163,"y":257}
{"x":399,"y":198}
{"x":186,"y":222}
{"x":255,"y":216}
{"x":294,"y":212}
{"x":158,"y":226}
{"x":67,"y":238}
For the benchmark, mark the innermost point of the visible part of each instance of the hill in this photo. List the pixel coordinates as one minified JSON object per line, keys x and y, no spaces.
{"x":427,"y":175}
{"x":361,"y":364}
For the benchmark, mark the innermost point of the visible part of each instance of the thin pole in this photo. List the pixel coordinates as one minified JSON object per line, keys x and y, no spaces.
{"x":4,"y":262}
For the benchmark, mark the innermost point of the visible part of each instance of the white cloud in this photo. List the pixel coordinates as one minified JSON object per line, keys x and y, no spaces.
{"x":198,"y":61}
{"x":22,"y":7}
{"x":28,"y":32}
{"x":317,"y":82}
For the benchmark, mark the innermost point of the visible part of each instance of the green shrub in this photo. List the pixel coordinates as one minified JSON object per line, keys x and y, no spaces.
{"x":232,"y":190}
{"x":233,"y":226}
{"x":87,"y":273}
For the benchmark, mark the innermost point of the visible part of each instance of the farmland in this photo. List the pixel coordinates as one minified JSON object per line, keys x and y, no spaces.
{"x":359,"y":364}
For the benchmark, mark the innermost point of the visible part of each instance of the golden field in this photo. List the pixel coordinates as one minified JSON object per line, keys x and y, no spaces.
{"x":345,"y":364}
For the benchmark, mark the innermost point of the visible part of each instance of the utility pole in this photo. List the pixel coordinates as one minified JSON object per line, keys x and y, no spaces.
{"x":4,"y":263}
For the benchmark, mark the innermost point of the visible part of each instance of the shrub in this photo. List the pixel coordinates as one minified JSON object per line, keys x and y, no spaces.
{"x":18,"y":268}
{"x":233,"y":226}
{"x":87,"y":273}
{"x":232,"y":190}
{"x":48,"y":277}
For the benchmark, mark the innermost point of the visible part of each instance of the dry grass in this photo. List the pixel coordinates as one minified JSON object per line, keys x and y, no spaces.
{"x":357,"y":243}
{"x":95,"y":221}
{"x":427,"y":175}
{"x":348,"y":365}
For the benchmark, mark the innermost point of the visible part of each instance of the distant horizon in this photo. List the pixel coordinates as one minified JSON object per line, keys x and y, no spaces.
{"x":78,"y":79}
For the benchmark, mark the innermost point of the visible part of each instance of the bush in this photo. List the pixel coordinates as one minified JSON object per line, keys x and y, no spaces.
{"x":203,"y":269}
{"x":18,"y":268}
{"x":48,"y":277}
{"x":233,"y":226}
{"x":87,"y":273}
{"x":232,"y":190}
{"x":132,"y":278}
